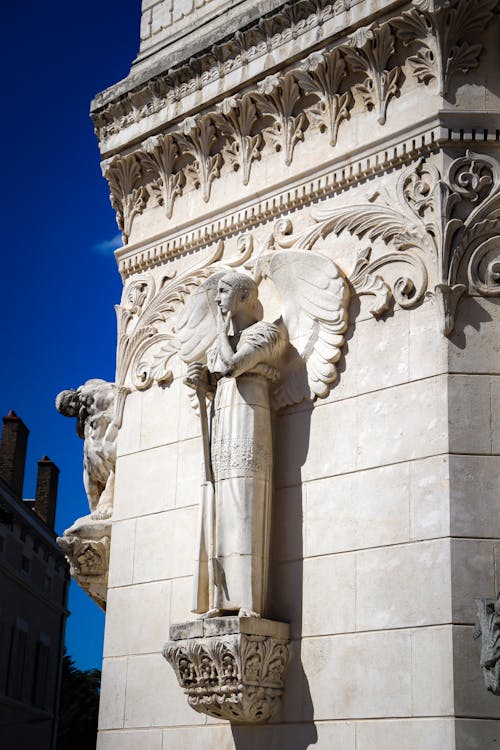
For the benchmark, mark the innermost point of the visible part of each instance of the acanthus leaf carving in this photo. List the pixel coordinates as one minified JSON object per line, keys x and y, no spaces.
{"x":159,"y":157}
{"x":277,"y":98}
{"x":236,"y":119}
{"x":368,"y":51}
{"x":441,"y":27}
{"x":322,"y":75}
{"x":199,"y":138}
{"x":128,"y":197}
{"x":236,"y":677}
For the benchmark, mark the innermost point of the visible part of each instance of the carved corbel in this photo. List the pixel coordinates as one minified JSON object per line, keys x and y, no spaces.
{"x":322,"y":75}
{"x":86,"y":546}
{"x":229,"y":667}
{"x":159,"y":158}
{"x":198,"y":137}
{"x":128,"y":197}
{"x":368,"y":52}
{"x":277,"y":98}
{"x":442,"y":28}
{"x":236,"y":120}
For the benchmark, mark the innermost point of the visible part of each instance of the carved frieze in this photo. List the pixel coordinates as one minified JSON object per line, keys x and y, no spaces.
{"x":231,"y":668}
{"x":281,"y":110}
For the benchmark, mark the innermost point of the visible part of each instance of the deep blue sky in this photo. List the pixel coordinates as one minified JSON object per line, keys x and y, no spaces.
{"x":59,"y":277}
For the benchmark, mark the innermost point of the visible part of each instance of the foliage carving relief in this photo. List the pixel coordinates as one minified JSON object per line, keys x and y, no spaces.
{"x":442,"y":239}
{"x":317,"y":94}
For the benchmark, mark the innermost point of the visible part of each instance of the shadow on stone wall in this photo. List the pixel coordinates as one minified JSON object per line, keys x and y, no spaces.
{"x":293,"y":727}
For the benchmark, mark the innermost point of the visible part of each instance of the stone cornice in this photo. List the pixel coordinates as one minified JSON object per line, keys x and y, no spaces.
{"x":315,"y":94}
{"x":169,"y":95}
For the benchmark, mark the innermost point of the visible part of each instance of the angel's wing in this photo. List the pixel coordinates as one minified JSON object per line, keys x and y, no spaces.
{"x":196,"y":327}
{"x":315,"y":298}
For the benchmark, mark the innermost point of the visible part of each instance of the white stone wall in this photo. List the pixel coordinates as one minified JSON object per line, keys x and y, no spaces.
{"x":162,"y":20}
{"x":385,"y":512}
{"x":385,"y":515}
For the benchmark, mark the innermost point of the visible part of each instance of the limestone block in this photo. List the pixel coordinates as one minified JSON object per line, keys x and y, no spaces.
{"x":429,"y":498}
{"x":330,"y":580}
{"x":469,"y":413}
{"x":129,"y":435}
{"x":288,"y":524}
{"x":365,"y":509}
{"x":410,"y":734}
{"x":472,"y":734}
{"x":475,"y":489}
{"x":182,"y":600}
{"x":182,"y":8}
{"x":164,"y":545}
{"x":432,"y":671}
{"x":130,"y":626}
{"x":383,"y":352}
{"x":428,"y":348}
{"x":475,"y":345}
{"x":161,"y":16}
{"x":145,"y":27}
{"x":302,"y":450}
{"x":403,"y":586}
{"x":112,"y":701}
{"x":297,"y":587}
{"x":364,"y":660}
{"x":473,"y":574}
{"x":189,"y":472}
{"x":323,"y":736}
{"x":189,"y":738}
{"x":153,"y":697}
{"x":471,"y":696}
{"x":495,"y":415}
{"x":121,"y":559}
{"x":119,"y":740}
{"x":159,"y":422}
{"x":146,"y":482}
{"x":406,"y":422}
{"x":188,"y":420}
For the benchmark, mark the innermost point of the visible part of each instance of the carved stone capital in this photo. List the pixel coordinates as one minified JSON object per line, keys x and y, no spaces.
{"x":231,"y":668}
{"x":86,"y":546}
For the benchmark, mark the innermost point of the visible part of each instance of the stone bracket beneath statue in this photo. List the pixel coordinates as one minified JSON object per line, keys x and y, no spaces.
{"x":231,"y":667}
{"x":86,"y":546}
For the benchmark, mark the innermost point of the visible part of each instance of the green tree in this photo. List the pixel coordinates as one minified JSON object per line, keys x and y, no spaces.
{"x":78,"y":707}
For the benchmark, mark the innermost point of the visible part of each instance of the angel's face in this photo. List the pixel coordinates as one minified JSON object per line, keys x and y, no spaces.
{"x":227,"y":298}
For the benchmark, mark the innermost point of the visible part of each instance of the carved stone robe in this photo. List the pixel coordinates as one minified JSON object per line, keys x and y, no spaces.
{"x":233,"y":561}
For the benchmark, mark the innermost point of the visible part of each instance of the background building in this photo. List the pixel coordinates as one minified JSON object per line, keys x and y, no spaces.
{"x":34,"y":582}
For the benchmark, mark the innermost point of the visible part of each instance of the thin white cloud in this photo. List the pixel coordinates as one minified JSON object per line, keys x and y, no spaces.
{"x":106,"y":247}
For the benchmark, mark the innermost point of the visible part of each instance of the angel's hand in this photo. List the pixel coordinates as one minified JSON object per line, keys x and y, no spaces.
{"x":221,"y":321}
{"x":197,"y":377}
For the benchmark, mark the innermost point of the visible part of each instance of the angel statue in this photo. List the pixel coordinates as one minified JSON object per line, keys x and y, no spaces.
{"x":246,"y":367}
{"x":93,"y":405}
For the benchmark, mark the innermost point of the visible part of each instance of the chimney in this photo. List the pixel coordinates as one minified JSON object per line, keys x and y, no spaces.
{"x":46,"y":491}
{"x":13,"y":452}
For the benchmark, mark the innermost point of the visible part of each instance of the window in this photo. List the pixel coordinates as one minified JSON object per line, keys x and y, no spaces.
{"x":40,"y":673}
{"x":17,"y":660}
{"x":25,"y":564}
